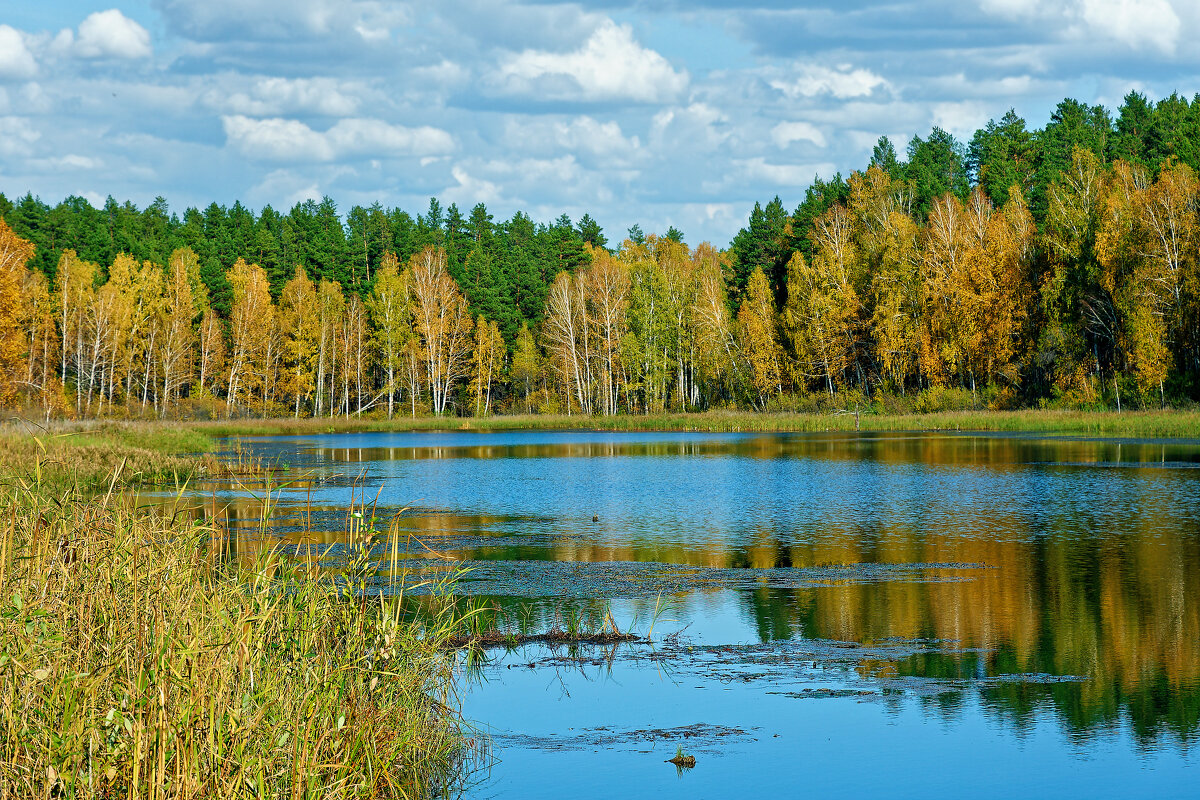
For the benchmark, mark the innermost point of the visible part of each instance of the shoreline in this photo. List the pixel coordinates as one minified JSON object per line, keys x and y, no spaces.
{"x":1166,"y":424}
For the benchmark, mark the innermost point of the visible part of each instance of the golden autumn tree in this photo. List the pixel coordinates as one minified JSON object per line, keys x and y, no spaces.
{"x":177,"y":345}
{"x":297,"y":316}
{"x":354,"y":354}
{"x":251,"y":327}
{"x":487,"y":359}
{"x":390,"y":308}
{"x":147,"y":305}
{"x":758,"y":338}
{"x":210,"y":343}
{"x":331,"y":307}
{"x":526,"y":363}
{"x":821,"y":315}
{"x":15,"y":253}
{"x":1005,"y":287}
{"x":895,"y":292}
{"x":949,"y":318}
{"x":1070,"y":287}
{"x":41,"y":343}
{"x":608,"y":289}
{"x":567,"y":338}
{"x":443,"y":323}
{"x":73,"y":297}
{"x":887,"y":239}
{"x":1169,"y":237}
{"x":713,"y":338}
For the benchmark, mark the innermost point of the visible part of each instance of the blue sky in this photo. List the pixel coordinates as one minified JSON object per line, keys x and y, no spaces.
{"x":655,"y":112}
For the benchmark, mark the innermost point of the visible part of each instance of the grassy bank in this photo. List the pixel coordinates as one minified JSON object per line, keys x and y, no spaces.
{"x":1094,"y":423}
{"x":135,"y":663}
{"x":85,"y":456}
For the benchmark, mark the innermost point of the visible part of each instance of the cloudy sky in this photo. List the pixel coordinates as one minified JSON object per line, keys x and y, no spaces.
{"x":660,"y":112}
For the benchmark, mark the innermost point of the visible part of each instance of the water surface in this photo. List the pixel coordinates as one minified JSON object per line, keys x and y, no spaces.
{"x":901,"y":614}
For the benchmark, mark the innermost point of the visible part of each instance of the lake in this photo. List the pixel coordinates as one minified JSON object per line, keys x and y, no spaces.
{"x":894,"y":614}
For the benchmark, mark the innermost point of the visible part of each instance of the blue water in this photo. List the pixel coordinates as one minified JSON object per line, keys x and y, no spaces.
{"x":897,"y":615}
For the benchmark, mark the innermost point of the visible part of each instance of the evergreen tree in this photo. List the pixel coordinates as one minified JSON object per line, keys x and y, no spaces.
{"x":590,"y":232}
{"x":1002,"y":155}
{"x":762,"y":244}
{"x":883,"y":155}
{"x":936,"y":165}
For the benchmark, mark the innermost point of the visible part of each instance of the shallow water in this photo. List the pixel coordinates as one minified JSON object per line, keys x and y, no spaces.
{"x":877,"y":613}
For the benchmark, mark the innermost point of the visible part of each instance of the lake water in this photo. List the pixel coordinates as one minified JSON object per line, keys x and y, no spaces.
{"x":886,"y":614}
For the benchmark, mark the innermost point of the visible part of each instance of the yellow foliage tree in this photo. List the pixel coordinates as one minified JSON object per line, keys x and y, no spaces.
{"x":758,"y":337}
{"x":15,"y":253}
{"x":443,"y":323}
{"x":487,"y":359}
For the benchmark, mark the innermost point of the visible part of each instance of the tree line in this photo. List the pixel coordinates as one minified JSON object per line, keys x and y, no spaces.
{"x":1024,"y":266}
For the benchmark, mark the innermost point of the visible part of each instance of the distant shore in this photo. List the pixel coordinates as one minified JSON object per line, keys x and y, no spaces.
{"x":1152,"y":424}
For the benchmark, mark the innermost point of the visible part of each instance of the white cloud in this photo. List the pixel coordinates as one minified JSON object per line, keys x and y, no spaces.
{"x":470,"y":190}
{"x":15,"y":59}
{"x":759,"y":169}
{"x":108,"y":34}
{"x":285,"y":189}
{"x":610,"y":65}
{"x":697,"y":127}
{"x":962,"y":118}
{"x":270,"y":96}
{"x":785,"y":133}
{"x":1134,"y":22}
{"x":581,"y":134}
{"x":842,"y":82}
{"x":17,"y":136}
{"x":290,"y":140}
{"x":76,"y":161}
{"x":1013,"y":9}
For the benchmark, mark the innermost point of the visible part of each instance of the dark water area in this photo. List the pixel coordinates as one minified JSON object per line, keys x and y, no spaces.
{"x":893,"y":614}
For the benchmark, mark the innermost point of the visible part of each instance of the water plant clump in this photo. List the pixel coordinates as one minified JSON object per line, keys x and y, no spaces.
{"x":488,"y":625}
{"x":682,"y":760}
{"x":137,"y":663}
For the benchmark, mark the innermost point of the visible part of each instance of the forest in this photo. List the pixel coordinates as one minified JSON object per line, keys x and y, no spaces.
{"x":1027,"y":267}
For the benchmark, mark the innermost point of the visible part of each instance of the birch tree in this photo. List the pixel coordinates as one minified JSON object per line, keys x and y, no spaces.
{"x":443,"y":324}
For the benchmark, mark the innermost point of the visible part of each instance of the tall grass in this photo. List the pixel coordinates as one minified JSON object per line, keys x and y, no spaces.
{"x":67,"y":456}
{"x":1168,"y":423}
{"x":136,"y":664}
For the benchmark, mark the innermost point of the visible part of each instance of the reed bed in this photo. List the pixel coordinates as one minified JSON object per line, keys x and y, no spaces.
{"x":135,"y":663}
{"x":1169,"y":423}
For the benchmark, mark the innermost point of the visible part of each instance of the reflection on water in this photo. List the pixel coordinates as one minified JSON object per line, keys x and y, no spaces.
{"x":1057,"y":557}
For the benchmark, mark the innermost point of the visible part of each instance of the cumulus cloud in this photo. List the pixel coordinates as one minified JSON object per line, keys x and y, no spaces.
{"x":759,"y":169}
{"x":469,"y":190}
{"x":17,"y":136}
{"x":785,"y":133}
{"x":219,"y":20}
{"x":106,"y":34}
{"x":610,"y":65}
{"x":1135,"y":23}
{"x":841,"y":82}
{"x":15,"y":59}
{"x":582,"y":134}
{"x":271,"y":96}
{"x":278,"y":139}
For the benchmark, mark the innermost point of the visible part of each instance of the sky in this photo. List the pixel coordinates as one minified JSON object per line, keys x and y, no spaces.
{"x":654,"y":112}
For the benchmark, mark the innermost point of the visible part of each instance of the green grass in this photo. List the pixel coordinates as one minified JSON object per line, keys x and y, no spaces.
{"x":85,"y":458}
{"x":1098,"y":423}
